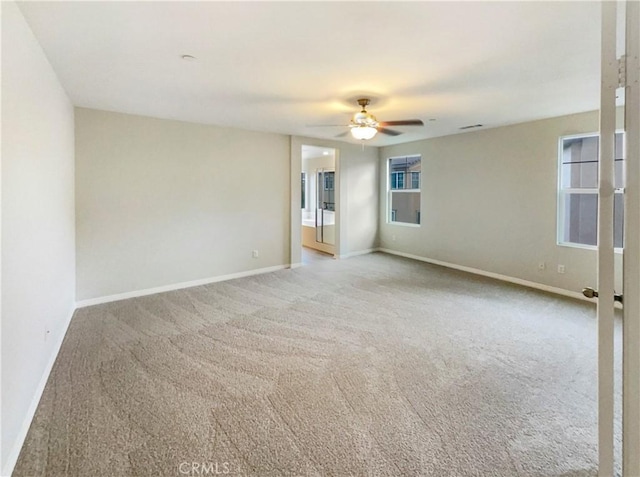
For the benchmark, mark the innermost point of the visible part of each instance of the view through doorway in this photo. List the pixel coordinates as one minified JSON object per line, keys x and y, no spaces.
{"x":318,"y":201}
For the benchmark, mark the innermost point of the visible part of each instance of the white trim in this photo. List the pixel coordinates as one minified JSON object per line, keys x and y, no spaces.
{"x":497,"y":276}
{"x":631,"y":270}
{"x":605,"y":231}
{"x":177,"y":286}
{"x":357,"y":252}
{"x":582,"y":246}
{"x":404,"y":224}
{"x":12,"y":458}
{"x":295,"y":265}
{"x":578,"y":190}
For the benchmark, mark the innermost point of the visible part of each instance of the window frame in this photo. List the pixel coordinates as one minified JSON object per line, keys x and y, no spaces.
{"x":562,"y":193}
{"x":390,"y":191}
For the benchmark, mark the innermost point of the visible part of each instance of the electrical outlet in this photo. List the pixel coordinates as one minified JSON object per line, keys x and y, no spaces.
{"x":46,"y":334}
{"x":254,"y":254}
{"x":542,"y":266}
{"x":560,"y":268}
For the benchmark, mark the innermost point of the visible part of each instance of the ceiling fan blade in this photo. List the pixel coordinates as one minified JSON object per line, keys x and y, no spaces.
{"x":342,"y":134}
{"x":389,"y":132}
{"x":402,"y":122}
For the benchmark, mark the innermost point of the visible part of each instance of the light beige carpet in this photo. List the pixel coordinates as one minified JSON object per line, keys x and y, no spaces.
{"x":371,"y":366}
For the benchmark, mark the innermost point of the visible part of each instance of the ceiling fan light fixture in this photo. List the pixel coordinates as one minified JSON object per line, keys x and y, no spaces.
{"x":363,"y":132}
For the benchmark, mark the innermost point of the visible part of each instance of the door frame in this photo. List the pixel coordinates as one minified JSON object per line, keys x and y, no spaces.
{"x":605,"y":271}
{"x":615,"y":73}
{"x":295,"y":241}
{"x":631,"y":258}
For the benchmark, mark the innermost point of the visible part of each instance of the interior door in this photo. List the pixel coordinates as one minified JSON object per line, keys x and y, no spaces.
{"x":618,"y":74}
{"x":606,"y":396}
{"x":631,"y":260}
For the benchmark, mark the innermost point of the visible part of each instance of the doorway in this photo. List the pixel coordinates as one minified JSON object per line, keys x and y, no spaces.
{"x":318,"y":199}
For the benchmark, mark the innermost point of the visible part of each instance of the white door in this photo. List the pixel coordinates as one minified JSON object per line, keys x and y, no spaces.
{"x":631,"y":267}
{"x":619,"y":74}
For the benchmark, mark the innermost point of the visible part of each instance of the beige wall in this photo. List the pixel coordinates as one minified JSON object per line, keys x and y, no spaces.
{"x":361,"y":177}
{"x":38,"y":252}
{"x":162,"y":202}
{"x":489,"y":202}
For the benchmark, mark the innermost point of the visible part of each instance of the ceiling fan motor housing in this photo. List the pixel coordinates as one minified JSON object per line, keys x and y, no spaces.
{"x":363,"y":118}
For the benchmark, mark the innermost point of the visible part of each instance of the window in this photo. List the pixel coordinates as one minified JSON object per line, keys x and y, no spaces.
{"x":578,"y":191}
{"x":328,"y":180}
{"x":326,"y":197}
{"x":404,"y":195}
{"x":303,"y":187}
{"x":415,"y":180}
{"x":397,"y":180}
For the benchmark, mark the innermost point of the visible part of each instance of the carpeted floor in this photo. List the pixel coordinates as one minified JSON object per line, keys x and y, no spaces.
{"x":371,"y":366}
{"x":310,"y":256}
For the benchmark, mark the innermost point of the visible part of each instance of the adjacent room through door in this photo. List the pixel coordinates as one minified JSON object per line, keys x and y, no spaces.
{"x":318,"y":202}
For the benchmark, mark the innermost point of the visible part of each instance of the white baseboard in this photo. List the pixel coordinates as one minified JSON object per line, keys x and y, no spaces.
{"x":12,"y":458}
{"x":497,"y":276}
{"x":295,"y":265}
{"x":358,"y":252}
{"x":176,"y":286}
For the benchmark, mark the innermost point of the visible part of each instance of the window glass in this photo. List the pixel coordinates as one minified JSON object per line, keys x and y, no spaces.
{"x":580,"y":163}
{"x":581,"y":212}
{"x":618,"y":220}
{"x":405,"y":207}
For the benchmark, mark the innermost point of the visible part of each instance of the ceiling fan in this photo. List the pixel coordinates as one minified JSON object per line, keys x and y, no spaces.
{"x":364,"y":125}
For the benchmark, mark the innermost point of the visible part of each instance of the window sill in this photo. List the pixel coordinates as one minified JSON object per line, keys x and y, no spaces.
{"x":586,"y":247}
{"x":404,"y":224}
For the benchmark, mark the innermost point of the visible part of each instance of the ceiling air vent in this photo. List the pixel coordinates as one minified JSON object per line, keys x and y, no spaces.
{"x":472,"y":126}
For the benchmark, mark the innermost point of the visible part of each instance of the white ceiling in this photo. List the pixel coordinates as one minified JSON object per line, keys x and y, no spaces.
{"x":316,"y":151}
{"x":282,"y":66}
